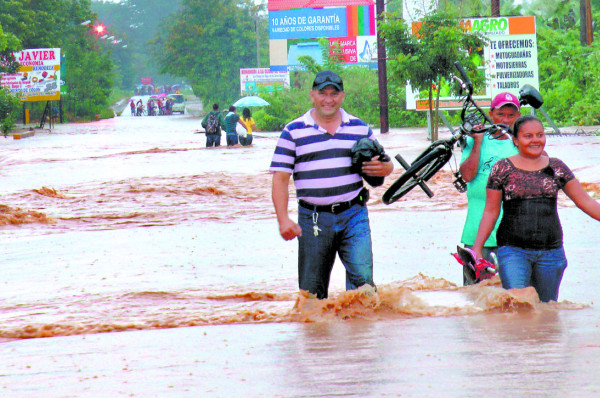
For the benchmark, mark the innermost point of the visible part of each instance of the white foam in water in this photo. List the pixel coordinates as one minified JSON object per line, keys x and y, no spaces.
{"x":450,"y":299}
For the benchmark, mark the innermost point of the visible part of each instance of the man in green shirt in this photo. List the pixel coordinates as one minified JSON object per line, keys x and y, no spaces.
{"x":479,"y":155}
{"x":231,"y":120}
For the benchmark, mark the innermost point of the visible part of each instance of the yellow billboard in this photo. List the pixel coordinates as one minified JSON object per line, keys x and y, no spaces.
{"x":38,"y":77}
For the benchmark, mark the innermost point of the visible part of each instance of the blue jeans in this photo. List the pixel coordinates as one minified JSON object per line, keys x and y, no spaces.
{"x":232,"y":139}
{"x":542,"y":269}
{"x":347,"y":234}
{"x":245,"y":141}
{"x":213,"y":140}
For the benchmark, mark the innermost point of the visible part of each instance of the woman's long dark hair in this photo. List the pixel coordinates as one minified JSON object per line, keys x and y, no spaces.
{"x":521,"y":121}
{"x":246,"y":113}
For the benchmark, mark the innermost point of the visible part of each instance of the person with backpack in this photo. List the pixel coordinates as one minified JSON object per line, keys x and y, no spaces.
{"x":212,"y":123}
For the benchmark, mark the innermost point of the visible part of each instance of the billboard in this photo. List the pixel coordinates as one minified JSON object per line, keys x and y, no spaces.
{"x":275,"y":5}
{"x":38,"y":77}
{"x":255,"y":80}
{"x":509,"y":60}
{"x":295,"y":25}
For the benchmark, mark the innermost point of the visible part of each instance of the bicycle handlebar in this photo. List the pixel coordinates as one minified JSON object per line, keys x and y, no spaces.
{"x":466,"y":82}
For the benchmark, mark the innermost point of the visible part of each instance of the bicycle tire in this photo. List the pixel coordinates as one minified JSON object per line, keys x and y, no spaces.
{"x":422,"y":169}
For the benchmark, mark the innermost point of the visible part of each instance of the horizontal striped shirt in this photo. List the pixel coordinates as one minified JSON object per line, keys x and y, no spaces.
{"x":320,"y":162}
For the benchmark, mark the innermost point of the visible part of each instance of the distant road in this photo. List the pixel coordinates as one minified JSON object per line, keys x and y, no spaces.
{"x":193,"y":106}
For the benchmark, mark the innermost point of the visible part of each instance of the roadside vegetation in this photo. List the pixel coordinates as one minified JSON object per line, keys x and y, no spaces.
{"x":88,"y":70}
{"x":204,"y":44}
{"x":9,"y":110}
{"x":569,"y":76}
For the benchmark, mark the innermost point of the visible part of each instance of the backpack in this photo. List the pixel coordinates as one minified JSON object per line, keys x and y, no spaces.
{"x":212,"y":123}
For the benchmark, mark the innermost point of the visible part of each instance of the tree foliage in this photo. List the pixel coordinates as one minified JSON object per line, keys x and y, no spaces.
{"x":57,"y":23}
{"x":9,"y":43}
{"x":136,"y":22}
{"x":9,"y":104}
{"x":426,"y":58}
{"x":9,"y":108}
{"x":208,"y":43}
{"x":362,"y":95}
{"x":569,"y":77}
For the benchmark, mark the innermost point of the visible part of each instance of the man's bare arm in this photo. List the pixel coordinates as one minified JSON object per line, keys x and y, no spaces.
{"x":288,"y":229}
{"x":468,"y":168}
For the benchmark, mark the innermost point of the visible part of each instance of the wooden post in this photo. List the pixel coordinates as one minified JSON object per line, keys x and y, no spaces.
{"x":257,"y":38}
{"x":382,"y":73}
{"x":495,"y":8}
{"x":586,"y":34}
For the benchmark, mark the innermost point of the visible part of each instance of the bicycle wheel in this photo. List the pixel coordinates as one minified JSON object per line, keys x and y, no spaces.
{"x":421,"y":170}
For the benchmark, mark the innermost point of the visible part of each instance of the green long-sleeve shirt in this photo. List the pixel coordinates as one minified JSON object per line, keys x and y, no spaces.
{"x":220,"y":118}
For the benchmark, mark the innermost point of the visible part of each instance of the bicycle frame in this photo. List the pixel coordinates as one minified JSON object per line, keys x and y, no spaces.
{"x":473,"y":121}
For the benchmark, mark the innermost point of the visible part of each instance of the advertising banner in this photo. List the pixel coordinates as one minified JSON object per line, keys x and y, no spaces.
{"x":38,"y":78}
{"x":358,"y":49}
{"x":307,"y":23}
{"x":255,"y":80}
{"x":275,"y":5}
{"x":509,"y":60}
{"x":295,"y":26}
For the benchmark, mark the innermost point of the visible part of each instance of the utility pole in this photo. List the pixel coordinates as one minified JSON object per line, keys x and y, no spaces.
{"x":257,"y":40}
{"x":495,"y":8}
{"x":586,"y":34}
{"x":384,"y":122}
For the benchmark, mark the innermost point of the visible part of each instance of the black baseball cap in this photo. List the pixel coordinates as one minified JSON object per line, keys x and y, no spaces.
{"x":328,"y":78}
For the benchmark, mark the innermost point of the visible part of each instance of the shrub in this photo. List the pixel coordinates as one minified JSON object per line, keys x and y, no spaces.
{"x":9,"y":108}
{"x":362,"y":100}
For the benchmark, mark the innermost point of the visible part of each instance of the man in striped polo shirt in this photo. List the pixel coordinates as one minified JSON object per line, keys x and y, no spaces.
{"x":332,"y":217}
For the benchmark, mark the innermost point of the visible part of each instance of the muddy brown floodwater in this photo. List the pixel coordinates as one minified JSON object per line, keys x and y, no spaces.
{"x":136,"y":262}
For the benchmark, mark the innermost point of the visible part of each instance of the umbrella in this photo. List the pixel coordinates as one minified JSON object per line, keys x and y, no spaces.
{"x":251,"y":100}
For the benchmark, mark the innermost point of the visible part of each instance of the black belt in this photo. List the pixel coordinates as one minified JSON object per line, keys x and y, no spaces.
{"x":336,"y":208}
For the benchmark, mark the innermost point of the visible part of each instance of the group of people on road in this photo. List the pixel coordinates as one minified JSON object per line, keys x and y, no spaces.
{"x":513,"y":174}
{"x":238,"y":130}
{"x":158,"y":107}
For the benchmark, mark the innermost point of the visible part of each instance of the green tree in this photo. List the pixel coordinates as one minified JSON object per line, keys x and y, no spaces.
{"x":9,"y":109}
{"x":57,"y":23}
{"x":8,"y":44}
{"x":208,"y":43}
{"x":136,"y":22}
{"x":9,"y":104}
{"x":569,"y":77}
{"x":426,"y":58}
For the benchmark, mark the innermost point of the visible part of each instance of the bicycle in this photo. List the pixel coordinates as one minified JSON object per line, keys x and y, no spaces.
{"x":473,"y":121}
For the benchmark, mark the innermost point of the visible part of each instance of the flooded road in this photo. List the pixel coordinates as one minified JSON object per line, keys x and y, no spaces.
{"x":130,"y":225}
